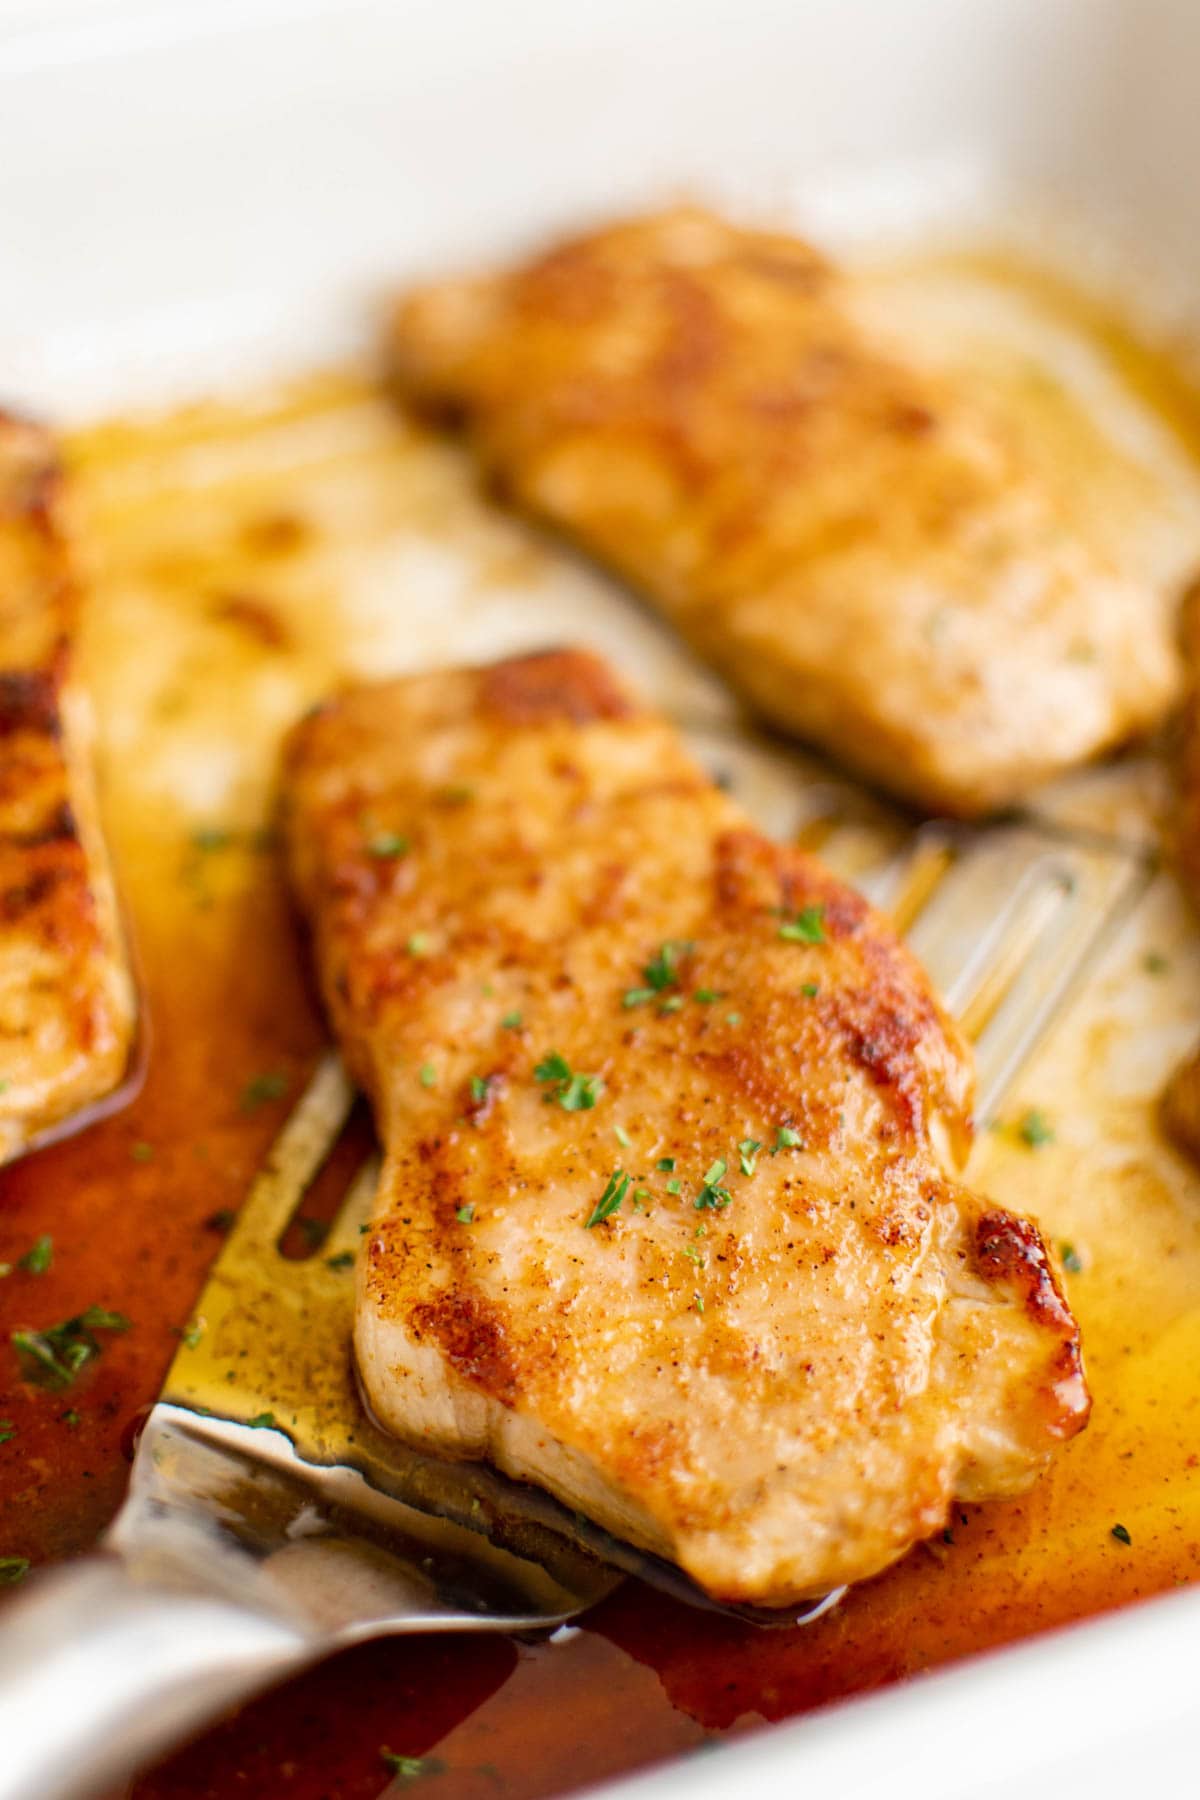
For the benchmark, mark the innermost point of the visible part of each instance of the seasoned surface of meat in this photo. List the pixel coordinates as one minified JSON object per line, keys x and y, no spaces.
{"x":667,"y":1221}
{"x":67,"y":1003}
{"x":865,"y":552}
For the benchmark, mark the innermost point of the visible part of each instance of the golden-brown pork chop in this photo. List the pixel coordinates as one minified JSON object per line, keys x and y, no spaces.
{"x":664,"y":1223}
{"x":67,"y":1003}
{"x":858,"y":546}
{"x":1181,"y":1101}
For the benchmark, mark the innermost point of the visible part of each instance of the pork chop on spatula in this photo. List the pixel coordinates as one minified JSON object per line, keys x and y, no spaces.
{"x":668,"y":1221}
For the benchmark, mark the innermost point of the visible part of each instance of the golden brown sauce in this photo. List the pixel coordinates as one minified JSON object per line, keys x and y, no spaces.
{"x":243,"y":560}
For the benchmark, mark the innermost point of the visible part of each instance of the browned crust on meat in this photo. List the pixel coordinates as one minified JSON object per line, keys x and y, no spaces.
{"x":67,"y":1040}
{"x":1010,"y":1251}
{"x":471,"y":1334}
{"x":552,"y":684}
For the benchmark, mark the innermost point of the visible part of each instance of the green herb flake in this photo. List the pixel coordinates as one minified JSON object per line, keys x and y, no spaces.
{"x":344,"y":1259}
{"x":479,"y":1089}
{"x":661,"y":971}
{"x":192,"y":1333}
{"x":1121,"y":1533}
{"x":313,"y":1231}
{"x":1072,"y":1262}
{"x":211,"y":837}
{"x":622,"y":1136}
{"x":748,"y":1151}
{"x":466,"y":1215}
{"x":711,"y":1192}
{"x":733,"y":1018}
{"x":787,"y":1139}
{"x":666,"y":1164}
{"x":672,"y":1004}
{"x":7,"y":1430}
{"x":1034,"y":1129}
{"x":39,"y":1256}
{"x":574,"y":1093}
{"x":418,"y":944}
{"x":640,"y":1196}
{"x":142,"y":1152}
{"x":610,"y":1200}
{"x":675,"y":1186}
{"x":699,"y":1302}
{"x":1155,"y":963}
{"x":69,"y":1418}
{"x":410,"y":1768}
{"x":810,"y":989}
{"x":13,"y":1569}
{"x":263,"y":1421}
{"x":636,"y":996}
{"x":706,"y":996}
{"x":387,"y":845}
{"x":427,"y":1075}
{"x":262,"y":1088}
{"x":511,"y":1021}
{"x":54,"y":1357}
{"x":808,"y":926}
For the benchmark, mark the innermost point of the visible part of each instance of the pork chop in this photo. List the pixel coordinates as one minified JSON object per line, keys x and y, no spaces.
{"x":1181,"y":1100}
{"x":67,"y":1001}
{"x":667,"y":1221}
{"x":860,"y":548}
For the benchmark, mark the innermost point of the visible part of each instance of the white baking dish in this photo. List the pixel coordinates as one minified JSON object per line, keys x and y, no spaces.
{"x":190,"y":192}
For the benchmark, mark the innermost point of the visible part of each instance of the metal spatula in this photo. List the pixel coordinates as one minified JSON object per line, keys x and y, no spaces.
{"x":269,"y":1521}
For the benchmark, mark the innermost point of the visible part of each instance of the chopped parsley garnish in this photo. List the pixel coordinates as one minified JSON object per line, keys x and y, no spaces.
{"x":54,"y":1357}
{"x":610,"y":1199}
{"x":387,"y":844}
{"x":1121,"y":1533}
{"x":660,"y":972}
{"x":479,"y":1088}
{"x":666,"y":1164}
{"x":673,"y":1003}
{"x":7,"y":1430}
{"x":428,"y":1075}
{"x":142,"y":1152}
{"x":640,"y":1195}
{"x":191,"y":1334}
{"x":748,"y":1151}
{"x":699,"y":1300}
{"x":70,"y":1417}
{"x":38,"y":1257}
{"x":787,"y":1139}
{"x":733,"y":1018}
{"x":1072,"y":1262}
{"x":343,"y":1260}
{"x":811,"y":989}
{"x":574,"y":1093}
{"x":694,"y":1255}
{"x":264,"y":1421}
{"x":13,"y":1569}
{"x":808,"y":926}
{"x":622,"y":1136}
{"x":211,"y":837}
{"x":410,"y":1768}
{"x":261,"y":1089}
{"x":418,"y":944}
{"x":1035,"y":1129}
{"x":511,"y":1021}
{"x":466,"y":1215}
{"x":675,"y":1186}
{"x":711,"y":1192}
{"x":706,"y":996}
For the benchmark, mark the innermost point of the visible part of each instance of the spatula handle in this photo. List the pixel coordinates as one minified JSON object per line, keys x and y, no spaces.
{"x":98,"y":1671}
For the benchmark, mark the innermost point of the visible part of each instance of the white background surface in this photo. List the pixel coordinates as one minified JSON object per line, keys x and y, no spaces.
{"x":192,"y":191}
